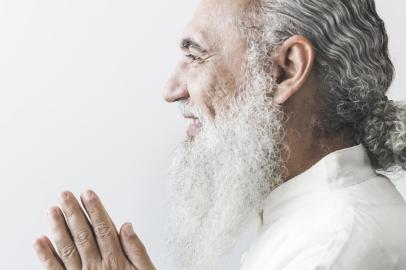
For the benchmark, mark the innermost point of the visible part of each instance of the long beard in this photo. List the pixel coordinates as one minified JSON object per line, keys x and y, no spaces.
{"x":219,"y":180}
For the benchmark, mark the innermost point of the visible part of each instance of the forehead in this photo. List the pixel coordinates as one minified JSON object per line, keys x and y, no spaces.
{"x":230,"y":5}
{"x":214,"y":20}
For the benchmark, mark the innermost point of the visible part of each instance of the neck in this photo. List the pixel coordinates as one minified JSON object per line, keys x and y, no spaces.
{"x":306,"y":150}
{"x":306,"y":146}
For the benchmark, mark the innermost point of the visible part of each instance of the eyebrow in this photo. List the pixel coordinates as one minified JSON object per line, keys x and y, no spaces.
{"x":188,"y":43}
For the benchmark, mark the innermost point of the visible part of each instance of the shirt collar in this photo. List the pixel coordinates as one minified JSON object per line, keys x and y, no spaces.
{"x":338,"y":169}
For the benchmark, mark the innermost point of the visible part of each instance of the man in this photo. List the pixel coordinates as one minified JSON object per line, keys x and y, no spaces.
{"x":289,"y":123}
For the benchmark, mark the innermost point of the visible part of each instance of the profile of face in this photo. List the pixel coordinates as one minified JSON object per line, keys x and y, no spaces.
{"x":211,"y":66}
{"x":230,"y":160}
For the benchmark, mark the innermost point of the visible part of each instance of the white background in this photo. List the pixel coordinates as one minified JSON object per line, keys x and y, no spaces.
{"x":80,"y":106}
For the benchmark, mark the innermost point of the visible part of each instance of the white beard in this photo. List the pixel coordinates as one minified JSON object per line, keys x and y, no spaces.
{"x":219,"y":180}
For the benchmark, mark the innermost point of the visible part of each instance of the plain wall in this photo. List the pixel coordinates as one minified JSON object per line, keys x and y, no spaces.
{"x":81,"y":106}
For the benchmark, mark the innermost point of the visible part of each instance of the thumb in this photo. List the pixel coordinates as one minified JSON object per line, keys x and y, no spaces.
{"x":134,"y":249}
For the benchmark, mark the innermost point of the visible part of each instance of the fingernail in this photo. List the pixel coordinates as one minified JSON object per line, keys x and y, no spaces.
{"x":88,"y":195}
{"x":39,"y":248}
{"x":129,"y":230}
{"x":36,"y":244}
{"x":64,"y":196}
{"x":51,"y":212}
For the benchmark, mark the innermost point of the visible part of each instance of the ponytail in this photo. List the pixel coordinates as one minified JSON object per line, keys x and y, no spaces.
{"x":383,"y":133}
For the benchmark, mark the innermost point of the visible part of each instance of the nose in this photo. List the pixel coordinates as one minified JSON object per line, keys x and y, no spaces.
{"x":175,"y":91}
{"x":176,"y":88}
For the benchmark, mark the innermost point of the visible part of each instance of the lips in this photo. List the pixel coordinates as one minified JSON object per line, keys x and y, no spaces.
{"x":194,"y":127}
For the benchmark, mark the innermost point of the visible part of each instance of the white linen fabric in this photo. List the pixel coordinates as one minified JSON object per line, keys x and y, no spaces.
{"x":338,"y":215}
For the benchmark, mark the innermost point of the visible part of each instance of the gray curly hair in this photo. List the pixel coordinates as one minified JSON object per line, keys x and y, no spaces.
{"x":352,"y":65}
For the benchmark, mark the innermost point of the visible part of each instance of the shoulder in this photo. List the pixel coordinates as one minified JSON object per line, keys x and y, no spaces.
{"x":304,"y":239}
{"x":341,"y":231}
{"x":358,"y":227}
{"x":377,"y":240}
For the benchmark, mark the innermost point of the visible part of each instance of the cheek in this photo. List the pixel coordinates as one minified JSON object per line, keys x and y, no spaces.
{"x":211,"y":89}
{"x":200,"y":87}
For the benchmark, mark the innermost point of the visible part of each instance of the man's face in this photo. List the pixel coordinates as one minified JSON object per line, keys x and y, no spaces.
{"x":211,"y":66}
{"x":221,"y":175}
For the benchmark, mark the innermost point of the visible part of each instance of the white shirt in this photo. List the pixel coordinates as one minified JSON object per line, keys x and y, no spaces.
{"x":337,"y":215}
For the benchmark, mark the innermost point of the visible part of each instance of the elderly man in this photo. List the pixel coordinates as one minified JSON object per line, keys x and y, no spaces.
{"x":289,"y":125}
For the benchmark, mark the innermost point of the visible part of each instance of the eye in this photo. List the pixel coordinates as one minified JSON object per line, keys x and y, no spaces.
{"x":194,"y":58}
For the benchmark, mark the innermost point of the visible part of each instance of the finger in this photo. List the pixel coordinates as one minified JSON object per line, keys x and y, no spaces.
{"x":63,"y":240}
{"x":47,"y":254}
{"x":80,"y":229}
{"x":134,"y":249}
{"x":51,"y":247}
{"x":103,"y":227}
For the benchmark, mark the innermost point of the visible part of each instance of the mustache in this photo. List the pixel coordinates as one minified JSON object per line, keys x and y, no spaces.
{"x":189,"y":110}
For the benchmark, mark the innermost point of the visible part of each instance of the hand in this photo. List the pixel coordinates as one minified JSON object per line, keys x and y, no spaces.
{"x":89,"y":244}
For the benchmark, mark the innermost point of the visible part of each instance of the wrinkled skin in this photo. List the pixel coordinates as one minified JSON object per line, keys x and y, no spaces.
{"x":81,"y":243}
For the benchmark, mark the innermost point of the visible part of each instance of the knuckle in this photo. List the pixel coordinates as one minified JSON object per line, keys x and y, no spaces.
{"x":112,"y":262}
{"x":139,"y":247}
{"x":103,"y":230}
{"x":139,"y":250}
{"x":82,"y":238}
{"x":91,"y":209}
{"x":91,"y":265}
{"x":69,"y":212}
{"x":67,"y":252}
{"x":140,"y":254}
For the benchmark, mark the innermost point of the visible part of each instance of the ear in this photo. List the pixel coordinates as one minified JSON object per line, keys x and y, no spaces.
{"x":293,"y":63}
